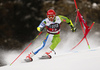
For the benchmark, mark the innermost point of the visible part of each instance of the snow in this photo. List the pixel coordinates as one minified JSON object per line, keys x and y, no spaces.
{"x":80,"y":60}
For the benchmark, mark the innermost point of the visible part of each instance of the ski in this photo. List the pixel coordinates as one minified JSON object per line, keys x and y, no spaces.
{"x":45,"y":57}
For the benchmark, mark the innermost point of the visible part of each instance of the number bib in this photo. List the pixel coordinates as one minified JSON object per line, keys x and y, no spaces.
{"x":53,"y":27}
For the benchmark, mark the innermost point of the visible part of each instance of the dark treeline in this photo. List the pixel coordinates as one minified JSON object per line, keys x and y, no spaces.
{"x":18,"y":22}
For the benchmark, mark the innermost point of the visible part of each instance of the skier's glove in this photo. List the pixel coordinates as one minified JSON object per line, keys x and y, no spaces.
{"x":41,"y":29}
{"x":73,"y":29}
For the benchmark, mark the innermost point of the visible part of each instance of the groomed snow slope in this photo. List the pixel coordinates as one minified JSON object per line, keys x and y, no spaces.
{"x":79,"y":60}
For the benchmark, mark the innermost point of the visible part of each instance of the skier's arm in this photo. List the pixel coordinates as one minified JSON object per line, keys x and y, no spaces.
{"x":41,"y":27}
{"x":67,"y":20}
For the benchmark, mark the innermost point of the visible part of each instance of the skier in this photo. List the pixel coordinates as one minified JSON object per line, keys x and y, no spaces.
{"x":52,"y":25}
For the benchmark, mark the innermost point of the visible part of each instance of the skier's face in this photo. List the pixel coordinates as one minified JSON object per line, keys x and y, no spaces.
{"x":51,"y":17}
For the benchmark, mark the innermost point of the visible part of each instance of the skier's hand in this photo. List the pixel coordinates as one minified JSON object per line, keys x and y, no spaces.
{"x":73,"y":29}
{"x":41,"y":29}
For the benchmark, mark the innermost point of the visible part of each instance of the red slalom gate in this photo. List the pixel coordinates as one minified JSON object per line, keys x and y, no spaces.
{"x":86,"y":29}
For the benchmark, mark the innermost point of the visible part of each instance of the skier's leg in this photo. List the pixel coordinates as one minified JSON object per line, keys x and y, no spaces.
{"x":46,"y":42}
{"x":55,"y":41}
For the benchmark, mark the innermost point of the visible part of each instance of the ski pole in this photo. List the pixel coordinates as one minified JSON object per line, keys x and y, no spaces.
{"x":25,"y":48}
{"x":37,"y":36}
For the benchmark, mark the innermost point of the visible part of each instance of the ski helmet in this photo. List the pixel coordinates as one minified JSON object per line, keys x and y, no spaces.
{"x":51,"y":12}
{"x":51,"y":15}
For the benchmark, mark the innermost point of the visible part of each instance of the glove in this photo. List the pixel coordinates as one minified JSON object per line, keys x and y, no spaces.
{"x":73,"y":29}
{"x":38,"y":28}
{"x":41,"y":29}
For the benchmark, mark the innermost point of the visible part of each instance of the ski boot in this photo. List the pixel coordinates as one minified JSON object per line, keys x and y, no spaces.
{"x":29,"y":57}
{"x":46,"y":55}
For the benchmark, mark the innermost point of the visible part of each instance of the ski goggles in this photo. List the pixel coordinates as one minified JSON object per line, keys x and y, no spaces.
{"x":51,"y":16}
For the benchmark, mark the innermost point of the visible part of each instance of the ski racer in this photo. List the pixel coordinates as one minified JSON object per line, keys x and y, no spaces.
{"x":52,"y":25}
